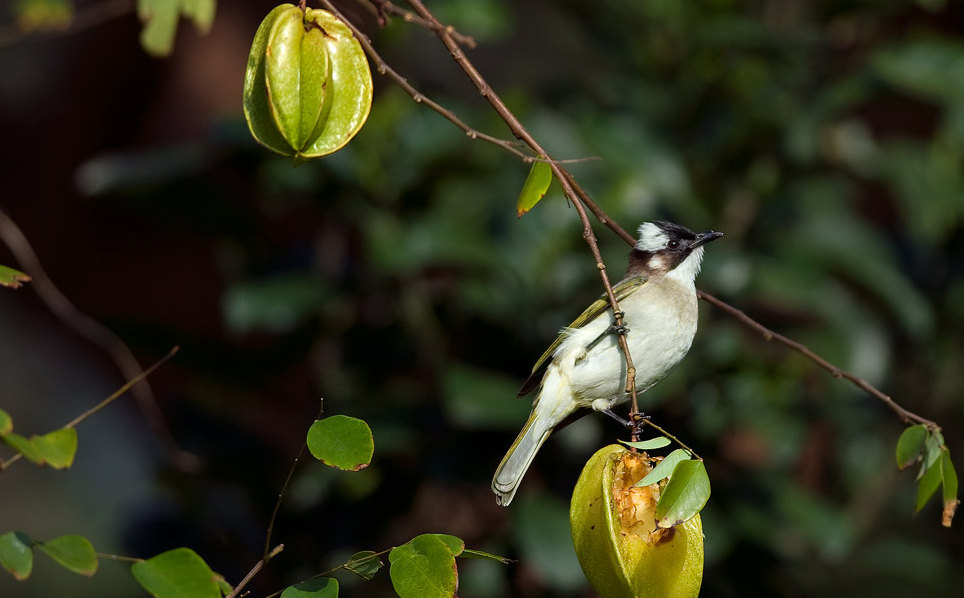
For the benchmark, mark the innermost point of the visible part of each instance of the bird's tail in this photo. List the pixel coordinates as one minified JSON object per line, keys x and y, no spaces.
{"x":520,"y":455}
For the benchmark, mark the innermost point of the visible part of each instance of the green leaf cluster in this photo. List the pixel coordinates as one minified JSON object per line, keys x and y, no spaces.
{"x":55,"y":449}
{"x":925,"y":445}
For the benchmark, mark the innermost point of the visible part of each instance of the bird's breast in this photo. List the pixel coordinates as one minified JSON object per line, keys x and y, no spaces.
{"x":661,"y":319}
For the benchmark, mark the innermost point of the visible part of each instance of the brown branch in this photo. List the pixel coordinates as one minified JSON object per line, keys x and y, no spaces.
{"x":255,"y":570}
{"x":579,"y":198}
{"x":383,"y":68}
{"x":98,"y":334}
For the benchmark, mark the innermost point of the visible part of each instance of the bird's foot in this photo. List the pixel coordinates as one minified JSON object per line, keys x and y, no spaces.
{"x":617,"y":329}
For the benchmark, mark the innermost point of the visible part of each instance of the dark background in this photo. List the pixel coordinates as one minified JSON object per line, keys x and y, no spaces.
{"x":825,"y":139}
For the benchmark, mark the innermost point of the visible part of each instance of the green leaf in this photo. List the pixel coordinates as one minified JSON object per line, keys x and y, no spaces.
{"x":73,"y":552}
{"x":364,"y":564}
{"x":664,"y":468}
{"x":478,"y":554}
{"x":910,"y":445}
{"x":16,"y":554}
{"x":535,"y":187}
{"x":160,"y":19}
{"x":177,"y":573}
{"x":651,"y":444}
{"x":927,"y":485}
{"x":423,"y":568}
{"x":933,"y":447}
{"x":12,"y":278}
{"x":685,"y":494}
{"x":948,"y":477}
{"x":455,"y":544}
{"x":58,"y":448}
{"x":223,"y":585}
{"x":341,"y":441}
{"x":6,"y":423}
{"x":25,"y":446}
{"x":325,"y":587}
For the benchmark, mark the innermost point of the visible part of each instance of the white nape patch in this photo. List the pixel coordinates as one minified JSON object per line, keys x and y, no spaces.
{"x":651,"y":237}
{"x":687,"y":271}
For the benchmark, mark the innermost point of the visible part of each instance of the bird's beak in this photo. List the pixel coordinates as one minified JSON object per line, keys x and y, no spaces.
{"x":704,"y":238}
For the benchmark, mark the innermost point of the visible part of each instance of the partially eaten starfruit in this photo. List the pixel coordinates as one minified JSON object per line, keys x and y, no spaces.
{"x":620,"y":548}
{"x":307,"y":87}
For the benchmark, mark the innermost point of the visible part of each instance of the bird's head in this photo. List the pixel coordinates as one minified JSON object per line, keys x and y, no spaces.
{"x":667,"y":249}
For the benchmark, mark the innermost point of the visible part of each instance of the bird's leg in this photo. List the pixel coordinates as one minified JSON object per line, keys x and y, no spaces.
{"x":624,"y":422}
{"x":613,"y":329}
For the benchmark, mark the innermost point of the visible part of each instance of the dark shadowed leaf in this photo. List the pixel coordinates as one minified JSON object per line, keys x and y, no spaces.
{"x":72,"y":552}
{"x":685,"y":494}
{"x":326,"y":587}
{"x":910,"y":445}
{"x":341,"y":441}
{"x":364,"y":564}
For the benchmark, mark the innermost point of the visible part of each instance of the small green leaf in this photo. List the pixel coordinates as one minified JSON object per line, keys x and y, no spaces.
{"x":160,"y":19}
{"x":468,"y":553}
{"x":73,"y":552}
{"x":16,"y":554}
{"x":25,"y":446}
{"x":664,"y":468}
{"x":910,"y":445}
{"x":177,"y":573}
{"x":58,"y":447}
{"x":455,"y":544}
{"x":341,"y":441}
{"x":649,"y":445}
{"x":535,"y":187}
{"x":685,"y":494}
{"x":12,"y":278}
{"x":948,"y":477}
{"x":423,"y":568}
{"x":364,"y":564}
{"x":6,"y":423}
{"x":325,"y":587}
{"x":927,"y":485}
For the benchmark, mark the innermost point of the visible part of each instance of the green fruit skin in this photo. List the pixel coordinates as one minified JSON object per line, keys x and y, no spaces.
{"x":623,"y":565}
{"x":306,"y":93}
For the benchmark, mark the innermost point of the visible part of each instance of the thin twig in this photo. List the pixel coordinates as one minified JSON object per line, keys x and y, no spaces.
{"x":384,"y":7}
{"x":98,"y":334}
{"x":284,"y":488}
{"x":419,"y":97}
{"x":114,"y":396}
{"x":663,"y":431}
{"x":255,"y":570}
{"x":374,"y":555}
{"x":905,"y":415}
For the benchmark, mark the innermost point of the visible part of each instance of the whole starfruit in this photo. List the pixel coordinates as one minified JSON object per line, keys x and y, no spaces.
{"x":621,"y":550}
{"x":308,"y":86}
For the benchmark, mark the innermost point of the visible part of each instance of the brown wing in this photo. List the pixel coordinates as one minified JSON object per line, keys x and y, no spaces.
{"x":621,"y":290}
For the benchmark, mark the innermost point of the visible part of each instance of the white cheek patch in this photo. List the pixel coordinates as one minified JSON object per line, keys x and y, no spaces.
{"x":651,"y":238}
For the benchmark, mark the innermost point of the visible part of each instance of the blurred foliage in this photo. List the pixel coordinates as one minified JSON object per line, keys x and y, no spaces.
{"x":394,"y":279}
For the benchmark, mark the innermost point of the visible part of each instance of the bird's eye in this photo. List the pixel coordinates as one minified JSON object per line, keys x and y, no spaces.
{"x":674,"y":244}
